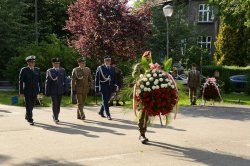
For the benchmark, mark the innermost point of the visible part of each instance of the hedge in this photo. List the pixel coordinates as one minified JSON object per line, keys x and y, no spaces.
{"x":225,"y":73}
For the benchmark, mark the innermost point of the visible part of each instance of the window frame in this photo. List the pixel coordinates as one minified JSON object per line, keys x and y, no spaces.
{"x":205,"y":13}
{"x":207,"y":43}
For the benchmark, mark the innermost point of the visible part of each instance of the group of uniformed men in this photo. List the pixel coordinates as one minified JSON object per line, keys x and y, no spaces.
{"x":30,"y":85}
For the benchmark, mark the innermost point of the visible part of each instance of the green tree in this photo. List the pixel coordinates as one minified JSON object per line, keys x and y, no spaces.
{"x":13,"y":30}
{"x":234,"y":12}
{"x":232,"y":45}
{"x":43,"y":52}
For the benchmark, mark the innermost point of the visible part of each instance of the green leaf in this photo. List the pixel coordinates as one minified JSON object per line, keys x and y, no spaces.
{"x":144,"y":63}
{"x":167,"y":64}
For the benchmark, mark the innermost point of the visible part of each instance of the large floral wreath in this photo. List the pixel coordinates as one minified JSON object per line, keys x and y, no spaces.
{"x":211,"y":90}
{"x":155,"y":91}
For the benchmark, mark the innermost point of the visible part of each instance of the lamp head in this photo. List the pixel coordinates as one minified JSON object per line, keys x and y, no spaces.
{"x":168,"y":10}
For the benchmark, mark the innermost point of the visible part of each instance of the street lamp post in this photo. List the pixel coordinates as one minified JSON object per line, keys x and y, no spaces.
{"x":36,"y":20}
{"x":168,"y":11}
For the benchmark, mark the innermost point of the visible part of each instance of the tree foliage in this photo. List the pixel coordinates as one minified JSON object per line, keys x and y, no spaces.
{"x":13,"y":30}
{"x":108,"y":27}
{"x":232,"y":45}
{"x":234,"y":12}
{"x":43,"y":52}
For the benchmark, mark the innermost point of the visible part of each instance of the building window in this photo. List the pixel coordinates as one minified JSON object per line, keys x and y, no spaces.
{"x":205,"y":13}
{"x":205,"y":42}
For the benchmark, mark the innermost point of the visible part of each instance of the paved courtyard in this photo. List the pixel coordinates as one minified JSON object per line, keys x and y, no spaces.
{"x":211,"y":136}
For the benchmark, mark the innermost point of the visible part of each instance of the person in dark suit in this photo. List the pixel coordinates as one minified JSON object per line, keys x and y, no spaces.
{"x":106,"y":83}
{"x":56,"y":86}
{"x":30,"y":86}
{"x":193,"y":83}
{"x":119,"y":78}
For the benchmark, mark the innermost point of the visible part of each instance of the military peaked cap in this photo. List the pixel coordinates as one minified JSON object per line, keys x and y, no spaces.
{"x":55,"y":60}
{"x":30,"y":58}
{"x":107,"y":57}
{"x":82,"y":59}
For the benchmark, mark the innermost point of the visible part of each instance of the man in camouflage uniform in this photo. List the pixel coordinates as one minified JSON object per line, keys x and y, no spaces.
{"x":143,"y":116}
{"x":80,"y":85}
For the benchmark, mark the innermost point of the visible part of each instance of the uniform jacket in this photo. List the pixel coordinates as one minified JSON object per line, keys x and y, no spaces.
{"x":30,"y":83}
{"x":194,"y":79}
{"x":56,"y":82}
{"x":81,"y":80}
{"x":105,"y":80}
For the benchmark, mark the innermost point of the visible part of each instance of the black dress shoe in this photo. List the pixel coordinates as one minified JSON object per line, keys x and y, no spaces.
{"x":143,"y":139}
{"x":109,"y":118}
{"x":102,"y":115}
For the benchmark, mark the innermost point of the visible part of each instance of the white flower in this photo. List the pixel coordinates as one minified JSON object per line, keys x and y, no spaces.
{"x":155,"y":75}
{"x":151,"y":79}
{"x":148,"y":75}
{"x":169,"y":84}
{"x":145,"y":79}
{"x":156,"y":82}
{"x":141,"y":86}
{"x":166,"y":85}
{"x":147,"y":83}
{"x":145,"y":89}
{"x":141,"y":76}
{"x":172,"y":86}
{"x":160,"y":75}
{"x":171,"y":81}
{"x":149,"y":89}
{"x":153,"y":87}
{"x":153,"y":71}
{"x":162,"y":85}
{"x":157,"y":87}
{"x":161,"y":79}
{"x":166,"y":79}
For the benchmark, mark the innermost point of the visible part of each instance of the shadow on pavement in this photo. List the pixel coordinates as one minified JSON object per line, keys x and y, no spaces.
{"x":3,"y":159}
{"x":37,"y":162}
{"x":130,"y":124}
{"x":89,"y":128}
{"x":201,"y":156}
{"x":153,"y":125}
{"x":72,"y":130}
{"x":5,"y":111}
{"x":218,"y":112}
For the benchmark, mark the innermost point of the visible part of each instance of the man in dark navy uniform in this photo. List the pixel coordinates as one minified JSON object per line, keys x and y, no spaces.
{"x":106,"y":83}
{"x":29,"y":86}
{"x":56,"y":86}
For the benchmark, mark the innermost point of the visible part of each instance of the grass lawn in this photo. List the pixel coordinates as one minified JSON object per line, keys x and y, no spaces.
{"x":5,"y":98}
{"x":232,"y":98}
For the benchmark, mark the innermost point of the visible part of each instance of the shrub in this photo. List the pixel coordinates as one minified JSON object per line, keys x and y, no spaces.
{"x":43,"y":52}
{"x":225,"y":73}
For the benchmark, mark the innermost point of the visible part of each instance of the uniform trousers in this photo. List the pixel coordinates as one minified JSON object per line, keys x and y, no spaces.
{"x":56,"y":102}
{"x":143,"y":123}
{"x":29,"y":104}
{"x":105,"y":99}
{"x":81,"y":97}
